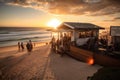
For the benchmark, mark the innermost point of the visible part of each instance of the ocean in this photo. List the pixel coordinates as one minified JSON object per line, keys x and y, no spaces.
{"x":12,"y":35}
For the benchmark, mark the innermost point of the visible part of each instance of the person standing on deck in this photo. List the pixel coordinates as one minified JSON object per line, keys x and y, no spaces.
{"x":65,"y":40}
{"x":57,"y":44}
{"x":64,"y":44}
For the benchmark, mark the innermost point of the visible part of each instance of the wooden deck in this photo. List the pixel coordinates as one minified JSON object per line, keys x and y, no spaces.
{"x":87,"y":56}
{"x":81,"y":54}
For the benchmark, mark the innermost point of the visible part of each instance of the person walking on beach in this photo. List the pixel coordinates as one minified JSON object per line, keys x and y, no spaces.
{"x":22,"y":46}
{"x":19,"y":46}
{"x":29,"y":46}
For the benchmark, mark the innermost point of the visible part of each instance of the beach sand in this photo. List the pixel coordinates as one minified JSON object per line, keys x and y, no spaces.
{"x":23,"y":65}
{"x":15,"y":47}
{"x":9,"y":50}
{"x":41,"y":64}
{"x":67,"y":68}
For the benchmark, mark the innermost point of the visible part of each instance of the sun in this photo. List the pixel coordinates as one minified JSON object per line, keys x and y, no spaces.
{"x":54,"y":23}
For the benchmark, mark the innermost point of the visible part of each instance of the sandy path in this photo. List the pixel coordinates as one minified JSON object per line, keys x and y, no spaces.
{"x":24,"y":66}
{"x":67,"y":68}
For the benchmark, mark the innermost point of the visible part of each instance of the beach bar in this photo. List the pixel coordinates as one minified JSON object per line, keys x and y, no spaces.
{"x":84,"y":43}
{"x":83,"y":39}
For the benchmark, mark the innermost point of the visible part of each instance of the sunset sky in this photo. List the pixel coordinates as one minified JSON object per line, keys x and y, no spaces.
{"x":37,"y":13}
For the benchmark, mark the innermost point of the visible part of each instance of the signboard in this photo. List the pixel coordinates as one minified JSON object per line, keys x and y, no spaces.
{"x":115,"y":30}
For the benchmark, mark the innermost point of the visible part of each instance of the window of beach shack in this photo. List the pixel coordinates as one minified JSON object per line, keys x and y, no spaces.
{"x":87,"y":38}
{"x":115,"y":34}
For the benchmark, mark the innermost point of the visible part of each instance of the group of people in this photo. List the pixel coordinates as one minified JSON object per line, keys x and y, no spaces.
{"x":20,"y":46}
{"x":103,"y":41}
{"x":62,"y":44}
{"x":29,"y":46}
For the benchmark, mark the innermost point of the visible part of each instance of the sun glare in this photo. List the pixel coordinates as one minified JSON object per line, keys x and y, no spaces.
{"x":91,"y":61}
{"x":54,"y":23}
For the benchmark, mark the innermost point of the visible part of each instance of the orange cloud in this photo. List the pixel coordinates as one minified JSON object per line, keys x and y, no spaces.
{"x":75,"y":7}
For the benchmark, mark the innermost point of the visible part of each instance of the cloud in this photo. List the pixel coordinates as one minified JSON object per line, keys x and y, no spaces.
{"x":109,"y":20}
{"x":117,"y":18}
{"x":113,"y":19}
{"x":75,"y":7}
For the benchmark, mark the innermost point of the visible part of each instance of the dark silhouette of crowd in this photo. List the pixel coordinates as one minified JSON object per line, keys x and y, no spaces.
{"x":103,"y":42}
{"x":61,"y":44}
{"x":29,"y":46}
{"x":20,"y":46}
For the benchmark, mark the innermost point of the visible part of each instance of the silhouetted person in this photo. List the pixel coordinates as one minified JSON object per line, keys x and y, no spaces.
{"x":22,"y":46}
{"x":53,"y":43}
{"x":31,"y":45}
{"x":28,"y":46}
{"x":110,"y":48}
{"x":19,"y":46}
